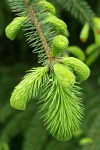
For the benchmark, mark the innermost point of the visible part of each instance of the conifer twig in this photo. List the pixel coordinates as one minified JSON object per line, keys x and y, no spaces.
{"x":34,"y":19}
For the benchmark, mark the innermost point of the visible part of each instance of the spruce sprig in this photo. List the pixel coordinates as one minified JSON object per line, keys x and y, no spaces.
{"x":61,"y":109}
{"x":54,"y":84}
{"x":29,"y":88}
{"x":80,"y":9}
{"x":39,"y":34}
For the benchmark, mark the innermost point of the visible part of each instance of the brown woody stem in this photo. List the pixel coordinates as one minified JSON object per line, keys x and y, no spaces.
{"x":35,"y":21}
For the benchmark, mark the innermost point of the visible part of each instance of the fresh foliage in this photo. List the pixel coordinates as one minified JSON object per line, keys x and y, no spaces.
{"x":61,"y":109}
{"x":93,"y":50}
{"x":79,"y":9}
{"x":54,"y":85}
{"x":81,"y":70}
{"x":24,"y":129}
{"x":28,"y":88}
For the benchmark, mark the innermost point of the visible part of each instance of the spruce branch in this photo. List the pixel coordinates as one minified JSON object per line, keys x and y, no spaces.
{"x":34,"y":19}
{"x":29,"y":88}
{"x":79,"y":9}
{"x":54,"y":84}
{"x":39,"y":35}
{"x":61,"y":109}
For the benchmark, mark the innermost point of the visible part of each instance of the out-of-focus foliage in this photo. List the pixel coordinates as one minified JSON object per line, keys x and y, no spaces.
{"x":23,"y":130}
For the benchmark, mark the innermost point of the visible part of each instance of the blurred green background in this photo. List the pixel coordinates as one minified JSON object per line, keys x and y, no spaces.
{"x":23,"y":130}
